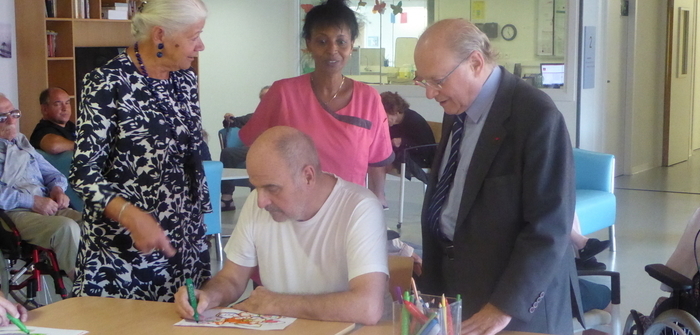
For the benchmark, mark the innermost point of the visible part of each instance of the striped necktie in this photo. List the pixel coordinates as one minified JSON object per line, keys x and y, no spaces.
{"x":445,"y":182}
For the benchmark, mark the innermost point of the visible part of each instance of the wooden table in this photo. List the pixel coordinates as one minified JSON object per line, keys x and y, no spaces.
{"x":135,"y":317}
{"x":386,"y":328}
{"x":234,"y":174}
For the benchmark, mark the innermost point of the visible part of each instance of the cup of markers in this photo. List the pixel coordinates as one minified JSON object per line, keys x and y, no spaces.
{"x":427,"y":315}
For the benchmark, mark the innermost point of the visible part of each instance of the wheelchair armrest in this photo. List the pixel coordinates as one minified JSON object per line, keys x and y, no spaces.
{"x":392,"y":234}
{"x":406,"y":151}
{"x":670,"y":277}
{"x":614,"y":282}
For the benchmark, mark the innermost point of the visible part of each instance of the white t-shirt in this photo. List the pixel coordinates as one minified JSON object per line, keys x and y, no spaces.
{"x":345,"y":239}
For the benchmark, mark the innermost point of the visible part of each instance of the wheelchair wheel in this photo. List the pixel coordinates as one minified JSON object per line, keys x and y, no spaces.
{"x":4,"y":275}
{"x":674,"y":322}
{"x":26,"y":290}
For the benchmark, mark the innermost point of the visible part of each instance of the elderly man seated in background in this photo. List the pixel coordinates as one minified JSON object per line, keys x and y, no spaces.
{"x":32,"y":193}
{"x":318,"y":240}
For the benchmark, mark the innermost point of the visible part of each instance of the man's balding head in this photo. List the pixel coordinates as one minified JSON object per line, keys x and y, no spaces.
{"x":453,"y":59}
{"x":55,"y":105}
{"x":284,"y":167}
{"x":459,"y":36}
{"x":292,"y":146}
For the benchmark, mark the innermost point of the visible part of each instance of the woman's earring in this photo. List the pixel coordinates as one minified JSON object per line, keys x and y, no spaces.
{"x":159,"y":54}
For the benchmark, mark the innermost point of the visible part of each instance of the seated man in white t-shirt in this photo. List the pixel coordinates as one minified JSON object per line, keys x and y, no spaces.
{"x":319,"y":241}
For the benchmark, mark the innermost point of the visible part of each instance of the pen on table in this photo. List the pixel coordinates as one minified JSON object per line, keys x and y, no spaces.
{"x":405,"y":316}
{"x":18,"y":323}
{"x":411,"y":308}
{"x":445,"y":310}
{"x":397,"y":291}
{"x":432,"y":322}
{"x":193,"y":298}
{"x":419,"y":301}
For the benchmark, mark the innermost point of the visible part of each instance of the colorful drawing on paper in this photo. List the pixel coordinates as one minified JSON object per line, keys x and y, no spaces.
{"x":12,"y":330}
{"x":228,"y":317}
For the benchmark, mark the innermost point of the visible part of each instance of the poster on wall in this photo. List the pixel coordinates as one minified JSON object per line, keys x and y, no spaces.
{"x":5,"y":40}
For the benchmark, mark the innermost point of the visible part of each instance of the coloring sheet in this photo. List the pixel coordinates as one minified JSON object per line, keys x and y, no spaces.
{"x":13,"y":330}
{"x":228,"y":317}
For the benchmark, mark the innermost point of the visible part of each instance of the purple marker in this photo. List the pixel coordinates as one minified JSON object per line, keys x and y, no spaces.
{"x":398,"y":294}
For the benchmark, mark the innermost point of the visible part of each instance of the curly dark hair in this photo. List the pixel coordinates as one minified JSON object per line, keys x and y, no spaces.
{"x":330,"y":13}
{"x":393,"y":103}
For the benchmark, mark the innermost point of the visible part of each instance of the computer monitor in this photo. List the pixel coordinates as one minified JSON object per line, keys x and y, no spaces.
{"x":552,"y":74}
{"x":371,"y":57}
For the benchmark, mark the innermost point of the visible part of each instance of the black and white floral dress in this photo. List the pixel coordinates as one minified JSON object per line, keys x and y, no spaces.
{"x":140,"y":138}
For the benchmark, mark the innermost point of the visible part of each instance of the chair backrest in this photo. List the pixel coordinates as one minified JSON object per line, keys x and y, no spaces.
{"x":400,"y":272}
{"x":213,"y":171}
{"x":436,"y":127}
{"x":228,"y":138}
{"x":601,"y":320}
{"x":594,"y":170}
{"x":62,"y":163}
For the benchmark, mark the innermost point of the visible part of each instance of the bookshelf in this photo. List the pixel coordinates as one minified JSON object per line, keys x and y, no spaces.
{"x":37,"y":71}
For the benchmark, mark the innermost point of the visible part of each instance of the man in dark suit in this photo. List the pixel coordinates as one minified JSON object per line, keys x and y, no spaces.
{"x":497,"y":214}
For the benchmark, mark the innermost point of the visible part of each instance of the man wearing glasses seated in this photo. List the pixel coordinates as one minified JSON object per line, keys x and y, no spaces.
{"x":32,"y":193}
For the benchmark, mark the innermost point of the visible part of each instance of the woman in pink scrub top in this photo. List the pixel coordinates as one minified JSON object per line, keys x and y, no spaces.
{"x":345,"y":118}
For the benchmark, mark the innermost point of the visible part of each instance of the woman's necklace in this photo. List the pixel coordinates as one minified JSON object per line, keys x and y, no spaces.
{"x":138,"y":58}
{"x":334,"y":95}
{"x":179,"y":97}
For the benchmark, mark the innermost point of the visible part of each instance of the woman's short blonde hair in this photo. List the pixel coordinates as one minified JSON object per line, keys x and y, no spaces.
{"x":172,"y":15}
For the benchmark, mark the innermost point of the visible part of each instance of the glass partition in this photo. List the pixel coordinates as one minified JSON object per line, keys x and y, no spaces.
{"x":529,"y":35}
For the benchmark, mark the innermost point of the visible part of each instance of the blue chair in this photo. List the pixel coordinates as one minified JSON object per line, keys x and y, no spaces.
{"x":213,"y":170}
{"x":595,"y":199}
{"x":228,"y":138}
{"x":62,"y":163}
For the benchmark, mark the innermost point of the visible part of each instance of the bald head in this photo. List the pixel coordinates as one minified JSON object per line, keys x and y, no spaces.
{"x":291,"y":146}
{"x":283,"y":166}
{"x":459,"y":36}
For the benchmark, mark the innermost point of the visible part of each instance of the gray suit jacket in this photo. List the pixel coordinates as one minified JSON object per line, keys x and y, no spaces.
{"x":512,"y":238}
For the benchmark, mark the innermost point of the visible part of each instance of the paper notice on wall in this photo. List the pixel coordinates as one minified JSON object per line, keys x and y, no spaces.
{"x":478,"y":10}
{"x":545,"y":28}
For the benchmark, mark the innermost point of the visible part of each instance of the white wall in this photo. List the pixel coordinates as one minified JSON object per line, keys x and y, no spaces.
{"x":645,"y":85}
{"x":601,"y":112}
{"x":615,"y":85}
{"x":8,"y":66}
{"x":249,"y":44}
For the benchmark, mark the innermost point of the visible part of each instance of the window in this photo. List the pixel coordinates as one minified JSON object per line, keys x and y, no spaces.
{"x":525,"y":33}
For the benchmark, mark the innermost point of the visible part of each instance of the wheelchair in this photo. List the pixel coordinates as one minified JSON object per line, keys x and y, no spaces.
{"x":677,"y":314}
{"x":23,"y":264}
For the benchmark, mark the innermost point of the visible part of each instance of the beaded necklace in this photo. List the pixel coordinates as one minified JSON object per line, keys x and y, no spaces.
{"x":179,"y":96}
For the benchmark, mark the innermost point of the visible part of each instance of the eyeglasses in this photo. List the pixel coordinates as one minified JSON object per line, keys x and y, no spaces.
{"x":15,"y":114}
{"x":437,"y":85}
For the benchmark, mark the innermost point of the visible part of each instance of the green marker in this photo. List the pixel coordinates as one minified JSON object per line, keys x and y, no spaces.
{"x":193,"y":298}
{"x":405,"y":315}
{"x":18,"y":323}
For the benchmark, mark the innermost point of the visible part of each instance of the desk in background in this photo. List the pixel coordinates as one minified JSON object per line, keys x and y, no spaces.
{"x":136,"y":317}
{"x":234,"y":174}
